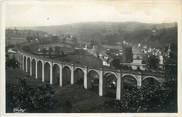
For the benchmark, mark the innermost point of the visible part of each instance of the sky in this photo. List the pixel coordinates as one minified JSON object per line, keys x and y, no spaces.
{"x":44,"y":13}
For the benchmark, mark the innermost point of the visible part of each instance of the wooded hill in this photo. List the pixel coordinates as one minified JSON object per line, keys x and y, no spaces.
{"x":155,"y":35}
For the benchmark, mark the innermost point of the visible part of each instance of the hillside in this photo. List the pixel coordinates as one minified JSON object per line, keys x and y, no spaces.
{"x":112,"y":32}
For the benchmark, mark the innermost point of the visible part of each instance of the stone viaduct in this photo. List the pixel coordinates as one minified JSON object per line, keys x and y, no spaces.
{"x":33,"y":60}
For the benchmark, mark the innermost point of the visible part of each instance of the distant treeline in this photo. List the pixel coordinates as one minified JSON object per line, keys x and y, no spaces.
{"x":154,"y":35}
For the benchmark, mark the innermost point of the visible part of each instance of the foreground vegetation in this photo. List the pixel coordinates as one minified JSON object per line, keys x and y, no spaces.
{"x":31,"y":95}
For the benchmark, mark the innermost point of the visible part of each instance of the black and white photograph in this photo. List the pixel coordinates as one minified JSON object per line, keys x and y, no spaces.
{"x":91,"y":56}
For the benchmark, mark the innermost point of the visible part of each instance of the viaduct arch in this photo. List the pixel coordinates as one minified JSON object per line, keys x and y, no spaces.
{"x":38,"y":69}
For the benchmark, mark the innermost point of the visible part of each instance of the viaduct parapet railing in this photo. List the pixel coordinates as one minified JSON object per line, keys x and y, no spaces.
{"x":27,"y":58}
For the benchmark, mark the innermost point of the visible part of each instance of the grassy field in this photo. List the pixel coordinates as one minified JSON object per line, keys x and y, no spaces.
{"x":87,"y":60}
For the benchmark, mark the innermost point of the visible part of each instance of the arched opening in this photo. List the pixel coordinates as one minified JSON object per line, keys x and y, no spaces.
{"x":24,"y":63}
{"x":130,"y":93}
{"x":78,"y":76}
{"x":129,"y":83}
{"x":109,"y":85}
{"x":47,"y":72}
{"x":28,"y":65}
{"x":55,"y":74}
{"x":66,"y":79}
{"x":150,"y":83}
{"x":33,"y":67}
{"x":39,"y":70}
{"x":93,"y":81}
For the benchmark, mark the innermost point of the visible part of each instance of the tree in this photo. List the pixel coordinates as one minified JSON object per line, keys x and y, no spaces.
{"x":75,"y":41}
{"x":152,"y":62}
{"x":37,"y":99}
{"x":55,"y":38}
{"x":63,"y":39}
{"x":27,"y":48}
{"x":171,"y":62}
{"x":62,"y":53}
{"x":44,"y":51}
{"x":172,"y":54}
{"x":116,"y":63}
{"x":12,"y":62}
{"x":29,"y":38}
{"x":50,"y":52}
{"x":57,"y":50}
{"x":92,"y":43}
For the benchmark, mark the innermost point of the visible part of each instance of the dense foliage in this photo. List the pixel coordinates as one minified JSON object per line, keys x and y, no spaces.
{"x":149,"y":98}
{"x":11,"y":62}
{"x":152,"y":62}
{"x":37,"y":99}
{"x":110,"y":32}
